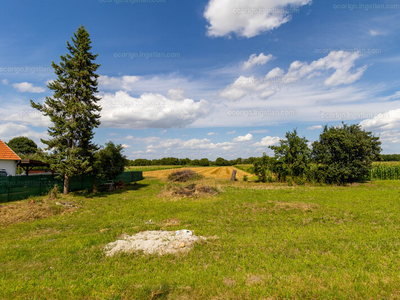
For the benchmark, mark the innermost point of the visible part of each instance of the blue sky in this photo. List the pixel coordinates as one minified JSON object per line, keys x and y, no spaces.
{"x":210,"y":78}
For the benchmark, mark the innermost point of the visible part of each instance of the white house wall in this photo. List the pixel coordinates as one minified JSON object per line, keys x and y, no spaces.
{"x":9,"y":165}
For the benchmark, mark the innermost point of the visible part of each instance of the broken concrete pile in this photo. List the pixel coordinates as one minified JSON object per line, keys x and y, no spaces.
{"x":155,"y":242}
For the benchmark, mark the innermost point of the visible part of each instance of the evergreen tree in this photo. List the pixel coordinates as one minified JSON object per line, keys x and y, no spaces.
{"x":73,"y":109}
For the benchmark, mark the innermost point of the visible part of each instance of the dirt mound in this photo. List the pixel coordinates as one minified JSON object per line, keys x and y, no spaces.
{"x":155,"y":242}
{"x":184,"y":176}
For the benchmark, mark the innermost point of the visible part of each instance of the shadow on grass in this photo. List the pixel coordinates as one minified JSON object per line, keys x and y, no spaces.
{"x":102,"y":194}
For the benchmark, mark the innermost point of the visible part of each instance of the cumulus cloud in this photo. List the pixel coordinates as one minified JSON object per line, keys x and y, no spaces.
{"x":231,"y":132}
{"x":212,"y":133}
{"x":11,"y":130}
{"x":176,"y":94}
{"x":5,"y":81}
{"x":267,"y":141}
{"x":149,"y":111}
{"x":341,"y":61}
{"x":248,"y":18}
{"x":314,"y":127}
{"x":255,"y":60}
{"x":27,"y":87}
{"x":385,"y":121}
{"x":125,"y":146}
{"x":243,"y":138}
{"x":265,"y":87}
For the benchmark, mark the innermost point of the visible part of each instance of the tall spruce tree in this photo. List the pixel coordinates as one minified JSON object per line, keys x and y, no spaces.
{"x":73,"y":109}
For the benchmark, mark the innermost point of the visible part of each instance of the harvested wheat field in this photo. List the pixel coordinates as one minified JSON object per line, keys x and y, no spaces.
{"x":216,"y":172}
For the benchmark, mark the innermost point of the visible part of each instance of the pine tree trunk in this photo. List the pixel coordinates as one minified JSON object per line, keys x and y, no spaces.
{"x":66,"y":184}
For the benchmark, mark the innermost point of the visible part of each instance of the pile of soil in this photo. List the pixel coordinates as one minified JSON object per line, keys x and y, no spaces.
{"x":155,"y":242}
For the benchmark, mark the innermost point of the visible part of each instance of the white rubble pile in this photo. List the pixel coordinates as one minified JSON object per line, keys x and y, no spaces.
{"x":155,"y":242}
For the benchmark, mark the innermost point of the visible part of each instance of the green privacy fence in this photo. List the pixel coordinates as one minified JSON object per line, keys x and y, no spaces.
{"x":21,"y":187}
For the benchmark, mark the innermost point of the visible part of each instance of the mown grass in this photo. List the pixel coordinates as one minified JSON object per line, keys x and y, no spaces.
{"x":274,"y":242}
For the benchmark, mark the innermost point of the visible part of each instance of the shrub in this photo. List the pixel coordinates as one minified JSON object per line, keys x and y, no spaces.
{"x":345,"y":154}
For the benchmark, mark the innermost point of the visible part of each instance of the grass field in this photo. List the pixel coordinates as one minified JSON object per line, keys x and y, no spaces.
{"x":271,"y":241}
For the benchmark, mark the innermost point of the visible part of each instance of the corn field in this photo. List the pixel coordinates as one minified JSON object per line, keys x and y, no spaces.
{"x":385,"y":171}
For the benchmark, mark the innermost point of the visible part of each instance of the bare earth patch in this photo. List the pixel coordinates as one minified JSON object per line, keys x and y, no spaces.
{"x":155,"y":242}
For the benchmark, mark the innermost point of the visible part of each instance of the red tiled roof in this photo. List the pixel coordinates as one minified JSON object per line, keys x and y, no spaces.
{"x":6,"y":153}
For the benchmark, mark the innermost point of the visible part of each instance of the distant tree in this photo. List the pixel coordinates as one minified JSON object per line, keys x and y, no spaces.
{"x":221,"y":162}
{"x":204,"y":162}
{"x":195,"y":162}
{"x":184,"y":161}
{"x":110,"y":162}
{"x":23,"y":146}
{"x":73,"y":110}
{"x":292,"y":156}
{"x":345,"y":154}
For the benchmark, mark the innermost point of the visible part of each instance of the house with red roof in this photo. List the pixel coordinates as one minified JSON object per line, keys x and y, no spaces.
{"x":8,"y":159}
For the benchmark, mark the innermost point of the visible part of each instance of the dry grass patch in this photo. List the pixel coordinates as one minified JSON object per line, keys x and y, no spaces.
{"x":296,"y":206}
{"x":32,"y":209}
{"x":189,"y":191}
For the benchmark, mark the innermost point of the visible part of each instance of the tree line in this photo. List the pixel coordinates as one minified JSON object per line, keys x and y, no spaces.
{"x":343,"y":154}
{"x":204,"y":162}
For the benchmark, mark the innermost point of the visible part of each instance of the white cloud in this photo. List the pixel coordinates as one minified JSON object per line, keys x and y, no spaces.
{"x":384,"y":121}
{"x":150,"y":110}
{"x":248,"y":18}
{"x":212,"y":133}
{"x":126,"y":83}
{"x":246,"y":138}
{"x":5,"y":81}
{"x":11,"y":130}
{"x":374,"y":32}
{"x":267,"y":141}
{"x":231,"y":132}
{"x":176,"y":94}
{"x":314,"y":127}
{"x":342,"y":62}
{"x":28,"y":87}
{"x":125,"y":146}
{"x":265,"y":87}
{"x":255,"y":60}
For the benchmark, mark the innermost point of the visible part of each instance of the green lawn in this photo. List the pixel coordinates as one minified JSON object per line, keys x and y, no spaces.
{"x":274,"y":242}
